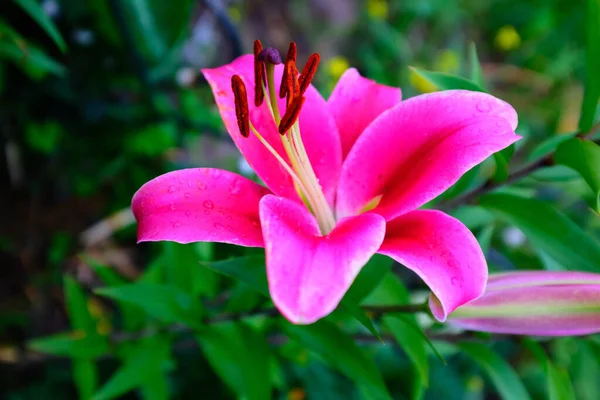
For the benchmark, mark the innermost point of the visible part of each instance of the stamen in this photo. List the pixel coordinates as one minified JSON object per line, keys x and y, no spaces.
{"x":289,"y":59}
{"x":241,"y":105}
{"x":308,"y":72}
{"x":291,"y":114}
{"x":259,"y":68}
{"x":291,"y":84}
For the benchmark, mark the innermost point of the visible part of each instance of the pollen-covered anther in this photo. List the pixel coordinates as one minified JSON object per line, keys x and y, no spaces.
{"x":290,"y":58}
{"x":291,"y":84}
{"x":291,"y":114}
{"x":259,"y":68}
{"x":308,"y":72}
{"x":241,"y":105}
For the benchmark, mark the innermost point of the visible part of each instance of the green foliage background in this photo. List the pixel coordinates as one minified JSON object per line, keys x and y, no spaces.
{"x":99,"y":96}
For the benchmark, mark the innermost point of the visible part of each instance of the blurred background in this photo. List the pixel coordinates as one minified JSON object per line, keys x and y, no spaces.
{"x":114,"y":97}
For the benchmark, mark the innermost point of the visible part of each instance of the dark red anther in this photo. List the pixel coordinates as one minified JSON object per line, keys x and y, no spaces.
{"x":259,"y":68}
{"x":241,"y":105}
{"x":291,"y":82}
{"x":291,"y":114}
{"x":290,"y":58}
{"x":308,"y":72}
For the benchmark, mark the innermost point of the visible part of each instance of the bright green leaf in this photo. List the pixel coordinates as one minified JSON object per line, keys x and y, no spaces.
{"x":549,"y":145}
{"x":250,"y":270}
{"x":342,"y":353}
{"x":142,"y":364}
{"x":85,"y":375}
{"x":476,"y":74}
{"x":77,"y":307}
{"x":548,"y":229}
{"x":35,"y":11}
{"x":369,"y":277}
{"x":584,"y":157}
{"x":591,"y":93}
{"x":182,"y":269}
{"x":502,"y":159}
{"x":405,"y":331}
{"x":166,"y":303}
{"x":502,"y":375}
{"x":74,"y":344}
{"x":447,"y":81}
{"x":240,"y":356}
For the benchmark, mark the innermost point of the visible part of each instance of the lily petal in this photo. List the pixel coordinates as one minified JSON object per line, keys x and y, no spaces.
{"x":355,"y":102}
{"x":199,"y":205}
{"x":418,"y":149}
{"x":443,"y":252}
{"x":308,"y":273}
{"x":318,"y":129}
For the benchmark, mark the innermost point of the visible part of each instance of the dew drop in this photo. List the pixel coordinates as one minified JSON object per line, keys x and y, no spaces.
{"x":187,"y":195}
{"x":172,"y":189}
{"x":176,"y":224}
{"x":455,"y":282}
{"x":218,"y":225}
{"x":188,"y":213}
{"x":206,"y":212}
{"x":236,"y":188}
{"x":173,"y":208}
{"x":201,"y":185}
{"x":483,"y":106}
{"x":209,"y":204}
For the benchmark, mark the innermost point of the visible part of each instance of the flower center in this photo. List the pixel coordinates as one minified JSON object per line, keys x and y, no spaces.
{"x":292,"y":88}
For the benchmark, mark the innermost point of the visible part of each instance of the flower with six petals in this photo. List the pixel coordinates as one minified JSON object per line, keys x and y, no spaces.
{"x":343,"y":177}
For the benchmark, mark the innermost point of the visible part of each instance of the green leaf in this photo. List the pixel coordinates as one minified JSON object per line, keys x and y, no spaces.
{"x":165,"y":303}
{"x":549,"y":145}
{"x":591,"y":93}
{"x":548,"y":229}
{"x":446,"y":81}
{"x":35,"y":11}
{"x":343,"y":354}
{"x":406,"y":333}
{"x":369,"y":277}
{"x":502,"y":375}
{"x":250,"y":270}
{"x":144,"y":362}
{"x":85,"y":375}
{"x":584,"y":157}
{"x":361,"y":316}
{"x":559,"y":383}
{"x":182,"y":269}
{"x":476,"y":74}
{"x":77,"y":308}
{"x":75,"y":345}
{"x":29,"y":57}
{"x":240,"y":356}
{"x":502,"y":159}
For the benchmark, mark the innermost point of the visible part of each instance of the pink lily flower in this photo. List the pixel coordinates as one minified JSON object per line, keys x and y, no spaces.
{"x":540,"y":303}
{"x":344,"y":180}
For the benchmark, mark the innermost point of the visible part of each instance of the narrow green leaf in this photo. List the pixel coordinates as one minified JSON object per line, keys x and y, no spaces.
{"x":240,"y":356}
{"x":591,"y":93}
{"x":549,"y":145}
{"x":35,"y":11}
{"x":29,"y":57}
{"x":141,"y":365}
{"x":559,"y":383}
{"x":74,"y":345}
{"x":476,"y":74}
{"x":85,"y":375}
{"x":250,"y":270}
{"x":361,"y":316}
{"x":406,"y":334}
{"x":548,"y":229}
{"x":77,"y":308}
{"x":584,"y":157}
{"x":502,"y":159}
{"x":166,"y":303}
{"x":502,"y":375}
{"x":182,"y":270}
{"x":343,"y":354}
{"x":369,"y":277}
{"x":447,"y":81}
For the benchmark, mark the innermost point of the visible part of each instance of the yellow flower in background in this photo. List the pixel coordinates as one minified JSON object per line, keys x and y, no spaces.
{"x":377,"y":9}
{"x":507,"y":38}
{"x":336,"y":66}
{"x":447,"y":61}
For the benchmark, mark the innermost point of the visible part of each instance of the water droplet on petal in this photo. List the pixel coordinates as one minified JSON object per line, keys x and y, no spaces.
{"x":172,"y":189}
{"x":206,"y":212}
{"x":173,"y":208}
{"x":454,"y":281}
{"x":188,"y":213}
{"x":218,"y":225}
{"x":176,"y":224}
{"x":187,"y":195}
{"x":237,"y":187}
{"x":201,"y":185}
{"x":483,"y":106}
{"x":209,"y":204}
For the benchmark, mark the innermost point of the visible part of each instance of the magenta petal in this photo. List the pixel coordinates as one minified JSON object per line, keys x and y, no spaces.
{"x":199,"y":205}
{"x":418,"y":149}
{"x":554,"y":310}
{"x":355,"y":102}
{"x":317,"y":126}
{"x":443,"y":252}
{"x":309,"y":274}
